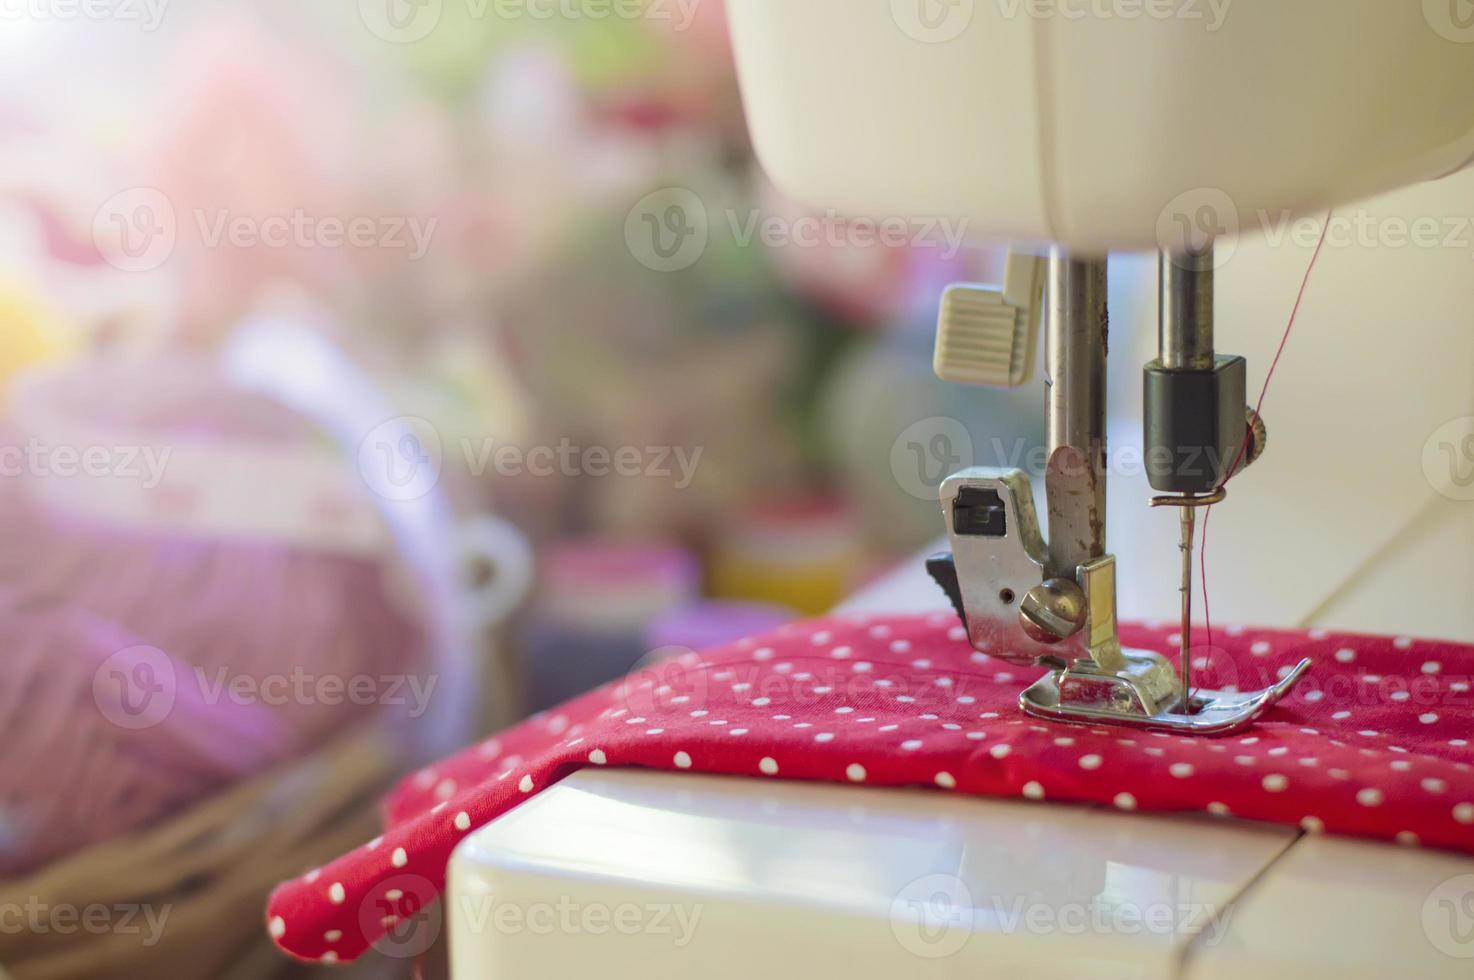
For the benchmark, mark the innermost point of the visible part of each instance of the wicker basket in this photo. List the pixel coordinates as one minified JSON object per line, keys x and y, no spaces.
{"x":209,"y":870}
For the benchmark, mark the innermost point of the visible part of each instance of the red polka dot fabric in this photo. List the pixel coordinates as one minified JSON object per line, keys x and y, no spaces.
{"x":1373,"y":743}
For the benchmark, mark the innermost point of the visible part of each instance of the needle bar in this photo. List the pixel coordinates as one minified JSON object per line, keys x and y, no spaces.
{"x":1188,"y":525}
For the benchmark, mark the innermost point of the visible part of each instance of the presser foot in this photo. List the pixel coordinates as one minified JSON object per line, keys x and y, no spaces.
{"x":1146,"y":694}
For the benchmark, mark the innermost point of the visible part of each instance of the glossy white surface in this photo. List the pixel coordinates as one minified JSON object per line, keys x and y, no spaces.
{"x":1339,"y":908}
{"x":746,"y":878}
{"x":1406,"y":385}
{"x":1082,"y":123}
{"x":754,"y":878}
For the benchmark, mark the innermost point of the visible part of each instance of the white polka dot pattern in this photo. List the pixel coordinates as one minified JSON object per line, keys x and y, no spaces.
{"x":1371,"y":744}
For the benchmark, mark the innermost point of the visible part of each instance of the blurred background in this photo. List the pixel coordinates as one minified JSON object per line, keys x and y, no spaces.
{"x":375,"y":374}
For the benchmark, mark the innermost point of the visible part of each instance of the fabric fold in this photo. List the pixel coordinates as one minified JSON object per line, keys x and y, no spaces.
{"x":1372,"y":743}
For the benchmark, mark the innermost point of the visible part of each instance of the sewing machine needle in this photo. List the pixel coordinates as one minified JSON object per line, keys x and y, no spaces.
{"x":1189,"y":526}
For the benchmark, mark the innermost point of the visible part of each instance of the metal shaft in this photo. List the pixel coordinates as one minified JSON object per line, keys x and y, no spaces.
{"x":1188,"y":527}
{"x":1185,"y":342}
{"x":1185,"y":324}
{"x":1076,"y":342}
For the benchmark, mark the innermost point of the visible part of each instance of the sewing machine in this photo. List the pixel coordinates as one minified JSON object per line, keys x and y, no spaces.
{"x":1068,"y":131}
{"x":1056,"y":130}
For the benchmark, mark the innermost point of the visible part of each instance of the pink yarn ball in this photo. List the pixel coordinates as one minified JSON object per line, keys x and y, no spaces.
{"x":250,"y":642}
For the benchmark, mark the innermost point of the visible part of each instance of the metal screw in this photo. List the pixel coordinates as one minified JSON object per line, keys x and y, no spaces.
{"x":1053,"y":611}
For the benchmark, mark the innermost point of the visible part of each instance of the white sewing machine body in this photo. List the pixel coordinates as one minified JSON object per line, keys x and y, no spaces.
{"x":723,"y":877}
{"x":636,"y":875}
{"x":1043,"y":121}
{"x":1088,"y":127}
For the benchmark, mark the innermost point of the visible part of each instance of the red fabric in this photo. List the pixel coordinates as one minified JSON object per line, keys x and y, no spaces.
{"x":1373,"y":743}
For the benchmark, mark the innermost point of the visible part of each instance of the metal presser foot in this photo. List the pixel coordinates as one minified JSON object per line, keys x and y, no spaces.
{"x":995,"y":576}
{"x":1032,"y":602}
{"x":1057,"y":697}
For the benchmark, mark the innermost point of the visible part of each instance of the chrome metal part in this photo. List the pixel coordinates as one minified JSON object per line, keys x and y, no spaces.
{"x":998,"y":554}
{"x":1144,"y":695}
{"x":1030,"y":599}
{"x":1054,"y":610}
{"x":1076,"y":329}
{"x":1185,"y":326}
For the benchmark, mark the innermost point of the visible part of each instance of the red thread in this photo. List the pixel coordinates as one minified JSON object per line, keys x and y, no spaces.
{"x":1258,"y":410}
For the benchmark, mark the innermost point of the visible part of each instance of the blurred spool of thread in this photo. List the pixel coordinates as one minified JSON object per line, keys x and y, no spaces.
{"x":596,"y":602}
{"x":803,"y":553}
{"x":714,"y":623}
